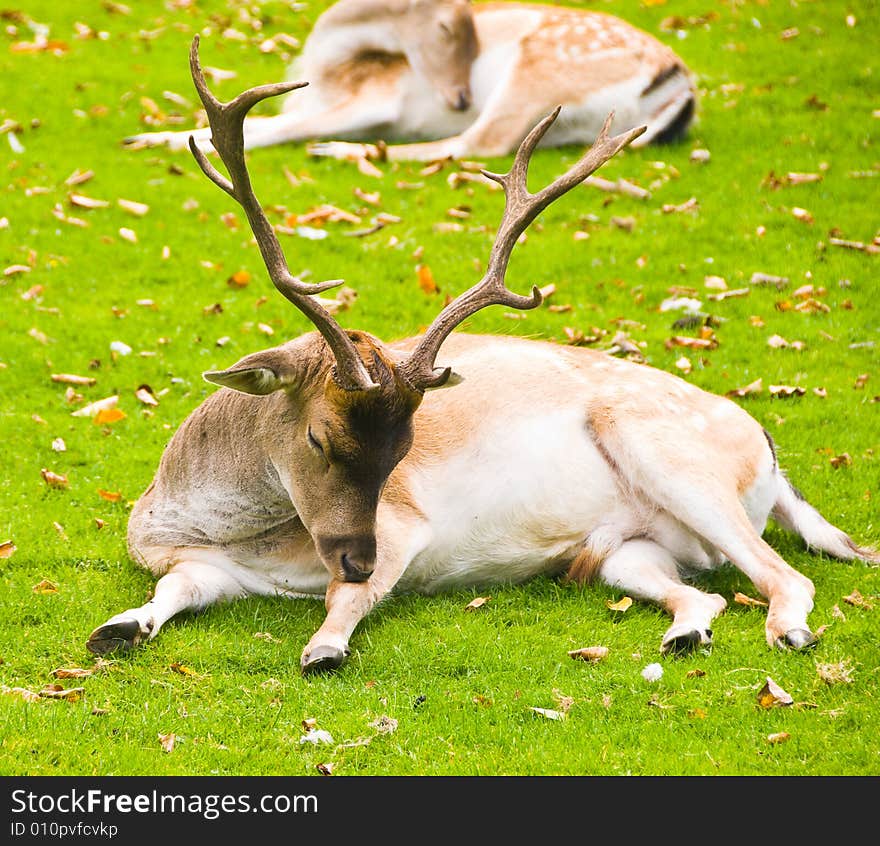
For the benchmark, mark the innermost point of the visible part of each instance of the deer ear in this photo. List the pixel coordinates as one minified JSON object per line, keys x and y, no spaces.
{"x":250,"y":380}
{"x":260,"y":373}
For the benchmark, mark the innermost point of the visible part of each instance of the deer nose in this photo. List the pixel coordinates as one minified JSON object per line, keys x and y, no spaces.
{"x":354,"y":556}
{"x":463,"y":101}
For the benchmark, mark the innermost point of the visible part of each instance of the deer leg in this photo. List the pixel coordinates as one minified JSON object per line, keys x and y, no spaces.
{"x":187,"y":586}
{"x":647,"y":571}
{"x":348,"y":603}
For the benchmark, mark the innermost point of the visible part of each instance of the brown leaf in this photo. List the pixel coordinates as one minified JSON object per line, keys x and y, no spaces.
{"x":742,"y":599}
{"x":857,"y":601}
{"x":72,"y":379}
{"x":591,"y":654}
{"x":801,"y":214}
{"x":778,"y":737}
{"x":145,"y":394}
{"x":384,"y":724}
{"x":15,"y":269}
{"x":137,"y":209}
{"x":784,"y":391}
{"x":84,"y":202}
{"x":21,"y":692}
{"x":325,"y":769}
{"x":747,"y":390}
{"x":182,"y":669}
{"x":695,"y":674}
{"x":53,"y":480}
{"x":426,"y":279}
{"x":166,"y":741}
{"x":687,"y":206}
{"x":45,"y":586}
{"x":92,"y":409}
{"x":621,"y":605}
{"x":57,"y":691}
{"x":7,"y":548}
{"x":478,"y":602}
{"x":367,"y":168}
{"x":71,"y":673}
{"x":842,"y":460}
{"x":778,"y":282}
{"x":772,"y":695}
{"x":110,"y":496}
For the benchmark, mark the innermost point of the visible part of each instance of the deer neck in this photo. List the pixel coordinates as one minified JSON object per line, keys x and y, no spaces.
{"x":361,"y":26}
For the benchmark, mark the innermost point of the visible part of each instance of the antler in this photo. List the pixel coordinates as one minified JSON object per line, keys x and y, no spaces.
{"x":227,"y":136}
{"x":520,"y":209}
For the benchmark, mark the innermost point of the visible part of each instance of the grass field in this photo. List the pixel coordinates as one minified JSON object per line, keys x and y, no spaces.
{"x":785,"y":89}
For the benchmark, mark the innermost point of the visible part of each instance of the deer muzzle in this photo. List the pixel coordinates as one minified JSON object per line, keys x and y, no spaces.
{"x":351,"y":558}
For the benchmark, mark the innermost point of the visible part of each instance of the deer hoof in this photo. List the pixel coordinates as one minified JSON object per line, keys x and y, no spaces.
{"x":115,"y":637}
{"x":685,"y":642}
{"x":797,"y":639}
{"x":323,"y":659}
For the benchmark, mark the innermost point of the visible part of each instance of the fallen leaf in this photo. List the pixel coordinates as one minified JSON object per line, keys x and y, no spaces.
{"x":549,"y":714}
{"x":564,"y":702}
{"x":747,"y":390}
{"x":72,"y":379}
{"x":778,"y":737}
{"x":695,"y":674}
{"x":45,"y":586}
{"x":384,"y":724}
{"x":842,"y":460}
{"x":20,"y":692}
{"x":145,"y":394}
{"x":478,"y":602}
{"x":57,"y":691}
{"x":109,"y":415}
{"x":840,"y":673}
{"x":92,"y":409}
{"x":778,"y":282}
{"x":591,"y":654}
{"x":784,"y":391}
{"x":686,"y":206}
{"x":128,"y":234}
{"x":84,"y":202}
{"x":324,"y":769}
{"x":771,"y":695}
{"x":110,"y":496}
{"x":14,"y":269}
{"x":167,"y":741}
{"x":697,"y":714}
{"x":137,"y":209}
{"x":801,"y":214}
{"x":267,"y":637}
{"x":742,"y":599}
{"x":7,"y":548}
{"x":426,"y":279}
{"x":479,"y":699}
{"x":182,"y":669}
{"x":239,"y":279}
{"x":53,"y":480}
{"x":621,"y":605}
{"x":857,"y":601}
{"x":71,"y":673}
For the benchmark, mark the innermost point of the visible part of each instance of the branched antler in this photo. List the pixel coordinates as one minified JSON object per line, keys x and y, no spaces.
{"x":520,"y":209}
{"x":227,"y":136}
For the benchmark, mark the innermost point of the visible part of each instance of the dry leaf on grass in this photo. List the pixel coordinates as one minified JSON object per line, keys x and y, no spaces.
{"x":44,"y":587}
{"x":426,"y":279}
{"x":7,"y":548}
{"x":167,"y":741}
{"x":778,"y":737}
{"x":785,"y":391}
{"x":476,"y":603}
{"x":742,"y":599}
{"x":747,"y":390}
{"x":325,"y":769}
{"x":71,"y":673}
{"x":384,"y":724}
{"x":20,"y":692}
{"x":94,"y":408}
{"x":54,"y":480}
{"x":73,"y":379}
{"x":621,"y":605}
{"x":183,"y":670}
{"x":57,"y":691}
{"x":858,"y":601}
{"x":591,"y":654}
{"x":772,"y":695}
{"x":110,"y":496}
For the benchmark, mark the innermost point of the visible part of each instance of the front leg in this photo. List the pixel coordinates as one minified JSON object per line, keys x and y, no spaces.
{"x":398,"y":542}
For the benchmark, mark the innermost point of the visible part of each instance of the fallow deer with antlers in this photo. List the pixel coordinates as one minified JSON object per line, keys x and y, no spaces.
{"x":329,"y":466}
{"x":459,"y":80}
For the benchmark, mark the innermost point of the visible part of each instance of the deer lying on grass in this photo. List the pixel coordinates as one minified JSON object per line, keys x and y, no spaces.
{"x":467,"y":81}
{"x":328,"y":467}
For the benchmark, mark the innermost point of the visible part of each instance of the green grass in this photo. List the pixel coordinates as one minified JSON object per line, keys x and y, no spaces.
{"x":240,"y":710}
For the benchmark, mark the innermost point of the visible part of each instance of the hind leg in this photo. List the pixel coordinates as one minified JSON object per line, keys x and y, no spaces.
{"x":647,"y":571}
{"x":187,"y":586}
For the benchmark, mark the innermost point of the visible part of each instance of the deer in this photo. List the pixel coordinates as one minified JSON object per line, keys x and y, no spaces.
{"x":337,"y":466}
{"x":454,"y":80}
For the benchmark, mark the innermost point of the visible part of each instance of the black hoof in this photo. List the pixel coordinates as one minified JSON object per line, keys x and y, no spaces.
{"x":682,"y":644}
{"x":797,"y":639}
{"x":323,"y":659}
{"x":114,"y":637}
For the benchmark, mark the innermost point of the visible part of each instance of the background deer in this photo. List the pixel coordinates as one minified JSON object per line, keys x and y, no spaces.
{"x":328,"y":467}
{"x":468,"y":81}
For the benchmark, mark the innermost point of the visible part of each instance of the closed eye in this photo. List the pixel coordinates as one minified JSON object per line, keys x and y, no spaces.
{"x":314,"y":443}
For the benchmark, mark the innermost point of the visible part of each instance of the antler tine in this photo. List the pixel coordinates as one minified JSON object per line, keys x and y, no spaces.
{"x":520,"y":209}
{"x":227,"y":136}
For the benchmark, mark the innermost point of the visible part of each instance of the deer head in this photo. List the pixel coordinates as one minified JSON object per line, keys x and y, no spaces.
{"x":347,"y":400}
{"x":441,"y":45}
